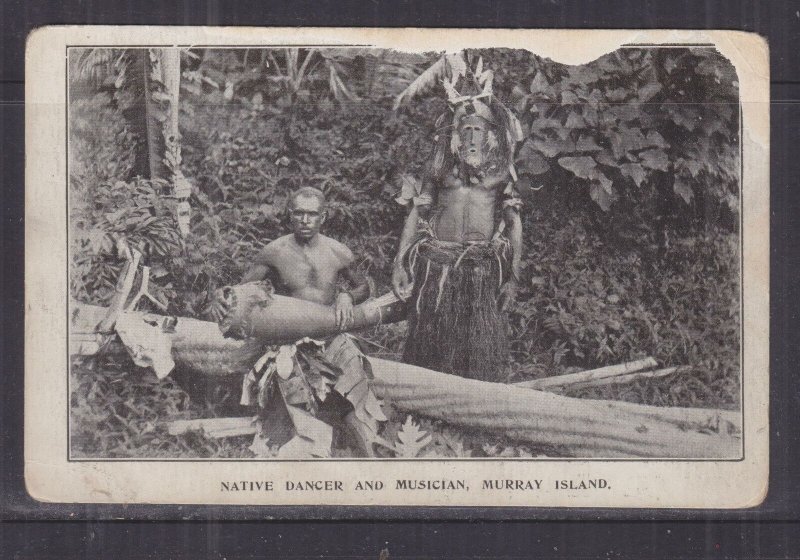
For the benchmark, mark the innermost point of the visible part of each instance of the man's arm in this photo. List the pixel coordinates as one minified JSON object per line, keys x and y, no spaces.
{"x":359,"y":285}
{"x":514,"y":229}
{"x":261,"y":269}
{"x":511,"y":207}
{"x":401,"y":283}
{"x":358,"y":291}
{"x":514,"y":233}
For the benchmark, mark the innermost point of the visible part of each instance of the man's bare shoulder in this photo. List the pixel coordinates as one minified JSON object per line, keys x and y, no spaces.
{"x":276,"y":248}
{"x":342,"y":251}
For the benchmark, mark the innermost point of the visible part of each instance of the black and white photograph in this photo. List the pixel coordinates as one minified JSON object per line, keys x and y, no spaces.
{"x":340,"y":254}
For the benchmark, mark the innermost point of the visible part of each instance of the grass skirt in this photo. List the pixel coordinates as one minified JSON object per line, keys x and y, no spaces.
{"x":454,"y":322}
{"x":305,"y":390}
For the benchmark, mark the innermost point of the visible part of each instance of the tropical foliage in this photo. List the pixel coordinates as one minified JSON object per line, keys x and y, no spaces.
{"x":629,"y":171}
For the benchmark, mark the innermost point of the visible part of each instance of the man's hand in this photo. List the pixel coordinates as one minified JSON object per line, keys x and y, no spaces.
{"x":508,"y":294}
{"x":218,"y":308}
{"x":344,"y":311}
{"x":401,"y":284}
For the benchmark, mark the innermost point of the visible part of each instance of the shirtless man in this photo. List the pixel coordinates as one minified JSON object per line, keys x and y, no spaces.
{"x":308,"y":265}
{"x":465,"y":262}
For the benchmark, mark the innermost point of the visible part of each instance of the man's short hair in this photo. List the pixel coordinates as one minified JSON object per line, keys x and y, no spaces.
{"x":307,"y":192}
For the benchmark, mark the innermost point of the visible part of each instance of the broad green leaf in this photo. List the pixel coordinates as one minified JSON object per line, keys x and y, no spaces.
{"x":574,"y":120}
{"x":732,"y":201}
{"x":549,"y":147}
{"x":647,"y":91}
{"x":354,"y":382}
{"x":670,"y":63}
{"x":655,"y":159}
{"x":313,"y":437}
{"x":629,"y":113}
{"x":565,"y":135}
{"x":590,"y":116}
{"x":617,"y":95}
{"x":520,"y":99}
{"x":297,"y":391}
{"x":411,"y":439}
{"x":319,"y":376}
{"x":724,"y":111}
{"x":543,"y":123}
{"x":692,"y":165}
{"x":605,"y":158}
{"x":266,"y":210}
{"x":594,"y":98}
{"x":540,"y":84}
{"x":683,"y":189}
{"x":627,"y":140}
{"x":587,"y":143}
{"x":580,"y":166}
{"x":451,"y":441}
{"x":634,"y":171}
{"x":600,"y":186}
{"x":655,"y":139}
{"x":684,"y":116}
{"x":410,"y":187}
{"x":569,"y":98}
{"x":604,"y":181}
{"x":600,"y":195}
{"x":284,"y":361}
{"x":530,"y":161}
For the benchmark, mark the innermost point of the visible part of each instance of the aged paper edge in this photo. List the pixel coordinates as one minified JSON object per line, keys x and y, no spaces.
{"x":51,"y":477}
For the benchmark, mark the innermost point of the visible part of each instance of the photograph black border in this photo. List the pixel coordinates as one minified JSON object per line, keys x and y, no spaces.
{"x":769,"y":530}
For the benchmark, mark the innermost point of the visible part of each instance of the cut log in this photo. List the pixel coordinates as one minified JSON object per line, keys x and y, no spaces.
{"x":215,"y":427}
{"x":589,"y":375}
{"x":587,"y":428}
{"x":629,"y":378}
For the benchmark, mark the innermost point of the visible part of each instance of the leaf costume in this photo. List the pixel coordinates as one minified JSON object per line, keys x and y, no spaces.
{"x":303,"y":389}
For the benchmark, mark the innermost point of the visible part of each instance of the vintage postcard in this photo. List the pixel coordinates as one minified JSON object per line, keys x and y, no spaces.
{"x":397,"y":267}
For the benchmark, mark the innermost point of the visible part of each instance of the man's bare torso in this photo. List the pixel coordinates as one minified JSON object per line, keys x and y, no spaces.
{"x":465,"y":210}
{"x":307,"y":271}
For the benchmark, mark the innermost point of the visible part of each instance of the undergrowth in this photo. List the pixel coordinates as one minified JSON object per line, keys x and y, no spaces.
{"x":598,"y":287}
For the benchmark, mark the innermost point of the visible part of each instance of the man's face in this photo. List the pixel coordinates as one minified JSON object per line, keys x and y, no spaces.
{"x":307,"y":216}
{"x":473,"y":133}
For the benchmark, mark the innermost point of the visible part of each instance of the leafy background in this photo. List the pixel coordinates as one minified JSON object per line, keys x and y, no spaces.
{"x":629,"y":173}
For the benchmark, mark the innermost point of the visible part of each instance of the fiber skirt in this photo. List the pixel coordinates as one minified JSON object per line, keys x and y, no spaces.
{"x":454,"y":321}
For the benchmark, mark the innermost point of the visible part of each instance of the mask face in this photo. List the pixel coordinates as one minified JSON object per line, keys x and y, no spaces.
{"x":307,"y":216}
{"x":473,"y":135}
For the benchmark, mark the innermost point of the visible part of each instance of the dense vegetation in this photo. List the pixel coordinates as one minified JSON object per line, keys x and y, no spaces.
{"x":629,"y":173}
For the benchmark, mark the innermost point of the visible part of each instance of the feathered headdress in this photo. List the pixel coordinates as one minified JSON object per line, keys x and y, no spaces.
{"x":469,"y":92}
{"x":481,"y":82}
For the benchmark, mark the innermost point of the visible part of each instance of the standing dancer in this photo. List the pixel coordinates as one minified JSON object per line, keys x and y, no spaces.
{"x":465,"y":259}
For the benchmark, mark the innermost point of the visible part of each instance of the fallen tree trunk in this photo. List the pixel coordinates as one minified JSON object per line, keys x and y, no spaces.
{"x":569,"y":379}
{"x":588,"y":428}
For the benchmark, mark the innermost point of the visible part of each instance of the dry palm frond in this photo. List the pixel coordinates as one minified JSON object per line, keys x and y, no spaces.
{"x":449,"y":66}
{"x":96,"y":65}
{"x":339,"y":90}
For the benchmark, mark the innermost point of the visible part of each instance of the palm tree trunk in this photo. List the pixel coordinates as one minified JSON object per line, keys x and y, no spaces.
{"x":170,"y":64}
